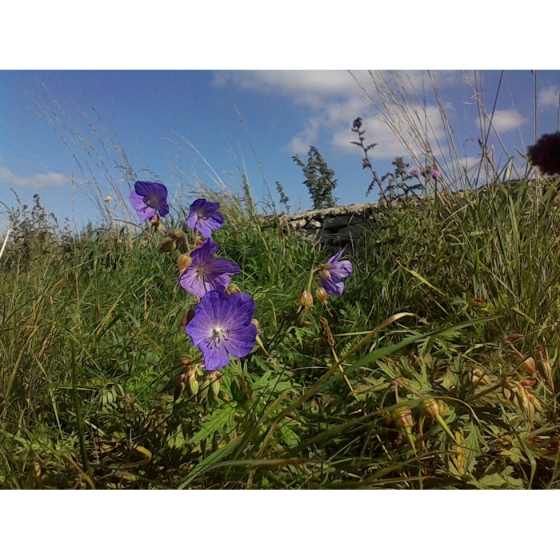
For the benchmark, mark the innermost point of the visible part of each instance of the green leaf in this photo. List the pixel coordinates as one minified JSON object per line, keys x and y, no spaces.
{"x":220,"y":421}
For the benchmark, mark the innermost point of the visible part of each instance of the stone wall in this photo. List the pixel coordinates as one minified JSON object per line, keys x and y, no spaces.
{"x":333,"y":227}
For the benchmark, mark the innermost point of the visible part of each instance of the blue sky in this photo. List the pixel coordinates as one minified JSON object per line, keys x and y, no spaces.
{"x":207,"y":124}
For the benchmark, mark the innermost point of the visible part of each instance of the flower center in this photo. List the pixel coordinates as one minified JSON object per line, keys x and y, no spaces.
{"x":152,"y":201}
{"x":218,"y":334}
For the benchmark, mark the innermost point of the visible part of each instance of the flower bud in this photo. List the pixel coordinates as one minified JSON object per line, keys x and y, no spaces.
{"x":183,"y":261}
{"x":321,"y":294}
{"x":189,"y":314}
{"x":305,"y":299}
{"x":192,"y":382}
{"x":256,"y":323}
{"x":546,"y":370}
{"x":430,"y":408}
{"x":215,"y":383}
{"x":232,"y":289}
{"x":529,"y":366}
{"x":155,"y":224}
{"x":403,"y":417}
{"x":167,"y":245}
{"x":178,"y":233}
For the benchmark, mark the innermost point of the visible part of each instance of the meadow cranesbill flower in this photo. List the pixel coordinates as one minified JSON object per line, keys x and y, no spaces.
{"x":332,"y":273}
{"x":204,"y":217}
{"x":222,"y":326}
{"x":149,"y":199}
{"x":205,"y":274}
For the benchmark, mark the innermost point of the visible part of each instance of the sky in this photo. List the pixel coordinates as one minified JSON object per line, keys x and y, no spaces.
{"x":184,"y":127}
{"x":198,"y":99}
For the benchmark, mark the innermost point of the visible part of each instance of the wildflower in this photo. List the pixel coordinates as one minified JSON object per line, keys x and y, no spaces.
{"x":435,"y":174}
{"x":204,"y":217}
{"x":205,"y":274}
{"x":415,"y":172}
{"x":222,"y":326}
{"x":149,"y":199}
{"x":545,"y":154}
{"x":332,"y":273}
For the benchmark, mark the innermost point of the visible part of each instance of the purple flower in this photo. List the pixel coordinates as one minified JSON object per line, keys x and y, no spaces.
{"x":205,"y":274}
{"x":222,"y":326}
{"x":332,"y":273}
{"x":415,"y":172}
{"x":435,"y":173}
{"x":149,"y":199}
{"x":204,"y":216}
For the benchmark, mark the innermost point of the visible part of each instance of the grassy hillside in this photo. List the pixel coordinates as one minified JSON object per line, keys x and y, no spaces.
{"x":436,"y":368}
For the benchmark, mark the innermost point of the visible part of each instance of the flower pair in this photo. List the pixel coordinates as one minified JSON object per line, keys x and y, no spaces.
{"x":149,"y":199}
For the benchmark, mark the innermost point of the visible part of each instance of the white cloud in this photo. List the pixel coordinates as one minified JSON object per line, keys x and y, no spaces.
{"x":548,"y":97}
{"x":505,"y":120}
{"x":39,"y":180}
{"x":337,"y":97}
{"x":309,"y":87}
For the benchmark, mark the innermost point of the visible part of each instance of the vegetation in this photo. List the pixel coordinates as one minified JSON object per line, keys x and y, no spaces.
{"x":437,"y":367}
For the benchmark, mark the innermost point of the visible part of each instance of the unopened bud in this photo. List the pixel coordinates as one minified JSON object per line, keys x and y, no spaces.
{"x":232,"y":289}
{"x":321,"y":294}
{"x":305,"y":299}
{"x":183,"y":261}
{"x":155,"y":224}
{"x":215,"y":382}
{"x":430,"y":408}
{"x":167,"y":245}
{"x":178,"y":233}
{"x":403,"y":417}
{"x":192,"y":382}
{"x":529,"y":366}
{"x":546,"y":370}
{"x":187,"y":317}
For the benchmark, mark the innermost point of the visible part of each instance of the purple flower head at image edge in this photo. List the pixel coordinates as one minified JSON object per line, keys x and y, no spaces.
{"x":204,"y":217}
{"x":149,"y":199}
{"x":332,"y":273}
{"x":222,"y":326}
{"x":205,"y":274}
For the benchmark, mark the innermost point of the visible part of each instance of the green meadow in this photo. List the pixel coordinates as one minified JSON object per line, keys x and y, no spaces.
{"x":435,"y":369}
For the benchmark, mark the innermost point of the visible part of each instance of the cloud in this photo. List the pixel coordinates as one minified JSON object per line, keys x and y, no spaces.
{"x":548,"y":97}
{"x":39,"y":180}
{"x":505,"y":120}
{"x":337,"y":97}
{"x":308,"y":87}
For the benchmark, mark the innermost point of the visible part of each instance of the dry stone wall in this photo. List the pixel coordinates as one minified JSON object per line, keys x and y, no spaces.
{"x":332,"y":227}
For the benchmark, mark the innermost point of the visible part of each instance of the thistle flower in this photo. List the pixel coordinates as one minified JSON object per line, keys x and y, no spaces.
{"x":205,"y":274}
{"x":332,"y":273}
{"x":204,"y":217}
{"x":222,"y":326}
{"x":149,"y":199}
{"x":415,"y":172}
{"x":435,"y":174}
